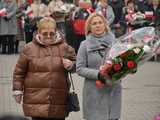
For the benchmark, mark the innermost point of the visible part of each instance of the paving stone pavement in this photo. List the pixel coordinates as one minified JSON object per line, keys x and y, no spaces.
{"x":141,"y":92}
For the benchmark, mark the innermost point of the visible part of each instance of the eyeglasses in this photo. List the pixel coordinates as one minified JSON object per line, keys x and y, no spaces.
{"x":46,"y":34}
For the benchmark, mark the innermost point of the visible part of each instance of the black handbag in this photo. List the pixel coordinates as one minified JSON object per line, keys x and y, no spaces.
{"x":72,"y":99}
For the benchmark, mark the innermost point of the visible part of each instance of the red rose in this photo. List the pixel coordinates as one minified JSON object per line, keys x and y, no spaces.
{"x":131,"y":64}
{"x":117,"y":67}
{"x":99,"y":84}
{"x":104,"y":69}
{"x":103,"y":72}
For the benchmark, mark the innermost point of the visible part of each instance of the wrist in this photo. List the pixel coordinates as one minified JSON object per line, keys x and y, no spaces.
{"x":17,"y":92}
{"x":101,"y":78}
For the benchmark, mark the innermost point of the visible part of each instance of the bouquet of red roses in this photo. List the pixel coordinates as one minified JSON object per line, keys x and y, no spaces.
{"x":127,"y":54}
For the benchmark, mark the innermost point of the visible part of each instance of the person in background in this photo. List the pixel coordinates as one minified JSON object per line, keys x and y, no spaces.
{"x":130,"y":7}
{"x":0,"y":27}
{"x":106,"y":10}
{"x":117,"y":6}
{"x":54,"y":7}
{"x":20,"y":31}
{"x":77,"y":24}
{"x":155,"y":8}
{"x":141,"y":4}
{"x":8,"y":26}
{"x":46,"y":2}
{"x":40,"y":75}
{"x":149,"y":2}
{"x":119,"y":25}
{"x":98,"y":103}
{"x":39,"y":10}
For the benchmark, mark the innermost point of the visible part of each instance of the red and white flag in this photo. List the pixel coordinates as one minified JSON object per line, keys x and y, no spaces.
{"x":3,"y":12}
{"x":149,"y":15}
{"x":29,"y":12}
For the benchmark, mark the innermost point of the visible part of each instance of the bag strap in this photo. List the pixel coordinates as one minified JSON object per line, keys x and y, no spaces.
{"x":69,"y":76}
{"x":71,"y":80}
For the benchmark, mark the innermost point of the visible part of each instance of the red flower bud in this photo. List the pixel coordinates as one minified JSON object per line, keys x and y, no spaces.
{"x":117,"y":67}
{"x":99,"y":84}
{"x":131,"y":64}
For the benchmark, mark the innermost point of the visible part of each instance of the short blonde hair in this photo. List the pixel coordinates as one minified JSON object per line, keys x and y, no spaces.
{"x":46,"y":22}
{"x":88,"y":22}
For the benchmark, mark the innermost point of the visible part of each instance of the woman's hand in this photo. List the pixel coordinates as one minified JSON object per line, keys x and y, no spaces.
{"x":68,"y":64}
{"x":18,"y":98}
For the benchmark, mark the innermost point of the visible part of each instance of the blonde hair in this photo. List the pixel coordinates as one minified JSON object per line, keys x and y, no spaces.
{"x":88,"y":22}
{"x":46,"y":22}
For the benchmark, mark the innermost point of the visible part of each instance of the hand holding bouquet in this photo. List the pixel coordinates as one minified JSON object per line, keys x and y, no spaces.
{"x":125,"y":56}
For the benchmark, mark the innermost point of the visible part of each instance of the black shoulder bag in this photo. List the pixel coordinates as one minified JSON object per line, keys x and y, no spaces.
{"x":72,"y":99}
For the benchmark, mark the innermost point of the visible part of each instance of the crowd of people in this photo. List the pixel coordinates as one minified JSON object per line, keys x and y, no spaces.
{"x":19,"y":22}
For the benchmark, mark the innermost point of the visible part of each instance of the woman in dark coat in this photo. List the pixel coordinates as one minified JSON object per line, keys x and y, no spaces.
{"x":155,"y":8}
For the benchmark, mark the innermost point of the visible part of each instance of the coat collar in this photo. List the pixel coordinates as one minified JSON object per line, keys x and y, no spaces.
{"x":100,"y":43}
{"x":58,"y":39}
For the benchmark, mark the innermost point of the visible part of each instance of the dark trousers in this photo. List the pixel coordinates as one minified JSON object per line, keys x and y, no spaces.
{"x":7,"y":44}
{"x":77,"y":41}
{"x":28,"y":36}
{"x":37,"y":118}
{"x":16,"y":45}
{"x":4,"y":44}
